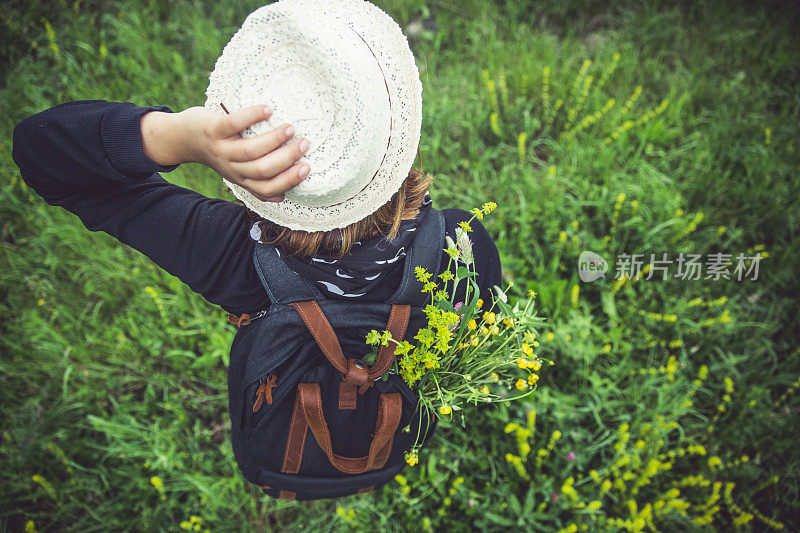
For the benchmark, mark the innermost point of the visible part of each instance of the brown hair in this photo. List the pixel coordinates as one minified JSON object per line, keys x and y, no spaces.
{"x":404,"y":205}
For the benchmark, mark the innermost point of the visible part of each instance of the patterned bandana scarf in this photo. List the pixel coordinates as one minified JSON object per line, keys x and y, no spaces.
{"x":364,"y":267}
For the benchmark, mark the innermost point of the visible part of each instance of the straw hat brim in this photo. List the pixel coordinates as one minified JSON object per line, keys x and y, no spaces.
{"x":388,"y":159}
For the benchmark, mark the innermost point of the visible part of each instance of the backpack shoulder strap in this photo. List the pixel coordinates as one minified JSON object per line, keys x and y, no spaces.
{"x":426,"y":251}
{"x":283,"y":285}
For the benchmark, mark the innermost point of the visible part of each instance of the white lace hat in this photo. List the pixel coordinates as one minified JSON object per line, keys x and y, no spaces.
{"x":342,"y":73}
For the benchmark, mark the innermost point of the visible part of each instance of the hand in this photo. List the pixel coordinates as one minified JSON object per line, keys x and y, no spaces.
{"x":259,"y":164}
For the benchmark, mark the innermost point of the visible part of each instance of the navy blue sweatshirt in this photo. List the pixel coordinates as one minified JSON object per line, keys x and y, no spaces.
{"x":87,"y":157}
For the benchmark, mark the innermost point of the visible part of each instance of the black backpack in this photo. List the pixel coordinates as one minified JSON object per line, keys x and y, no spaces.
{"x":297,"y":367}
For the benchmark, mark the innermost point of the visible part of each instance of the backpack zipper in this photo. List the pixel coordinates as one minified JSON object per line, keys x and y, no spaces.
{"x":264,"y":392}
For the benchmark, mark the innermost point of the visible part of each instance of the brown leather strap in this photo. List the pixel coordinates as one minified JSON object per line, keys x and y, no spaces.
{"x":389,"y":411}
{"x":298,"y":428}
{"x":365,"y":489}
{"x":321,"y":329}
{"x":396,"y":325}
{"x":286,"y":495}
{"x":323,"y":333}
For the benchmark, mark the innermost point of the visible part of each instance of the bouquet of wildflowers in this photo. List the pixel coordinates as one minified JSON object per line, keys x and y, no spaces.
{"x":469,"y":352}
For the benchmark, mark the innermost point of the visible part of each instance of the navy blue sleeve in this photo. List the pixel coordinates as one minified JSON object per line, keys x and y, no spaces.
{"x":487,"y":258}
{"x":87,"y":157}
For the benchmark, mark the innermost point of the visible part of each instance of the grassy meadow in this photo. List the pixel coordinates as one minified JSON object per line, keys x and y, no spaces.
{"x":637,"y":128}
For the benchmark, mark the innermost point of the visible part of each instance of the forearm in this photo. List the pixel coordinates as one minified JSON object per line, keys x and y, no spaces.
{"x":166,"y":139}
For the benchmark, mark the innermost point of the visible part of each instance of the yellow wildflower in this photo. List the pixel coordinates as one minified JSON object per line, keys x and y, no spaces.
{"x":445,"y":410}
{"x":489,"y":318}
{"x":526,"y":349}
{"x":422,"y":274}
{"x":593,"y":505}
{"x":480,"y":303}
{"x":533,"y":378}
{"x":412,"y":458}
{"x":471,"y":325}
{"x":494,"y":376}
{"x":521,"y":384}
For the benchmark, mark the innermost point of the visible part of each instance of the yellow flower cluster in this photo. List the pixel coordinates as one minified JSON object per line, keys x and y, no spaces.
{"x":544,"y":453}
{"x":644,"y":118}
{"x":403,"y":482}
{"x":491,"y":91}
{"x":159,"y":485}
{"x":546,"y":93}
{"x":659,"y":316}
{"x":615,"y":216}
{"x":590,"y":119}
{"x":722,"y":406}
{"x":568,"y":489}
{"x":522,"y":434}
{"x":628,"y":105}
{"x":609,"y":70}
{"x":195,"y":523}
{"x":516,"y":462}
{"x":412,"y":457}
{"x":759,"y":249}
{"x":434,"y":340}
{"x":724,"y":318}
{"x":577,"y":85}
{"x":574,"y":111}
{"x":712,"y":303}
{"x":348,"y":515}
{"x":690,"y":227}
{"x":456,"y":484}
{"x":669,"y":369}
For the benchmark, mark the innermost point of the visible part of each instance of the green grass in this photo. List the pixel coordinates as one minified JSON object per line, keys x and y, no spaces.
{"x":113,"y":373}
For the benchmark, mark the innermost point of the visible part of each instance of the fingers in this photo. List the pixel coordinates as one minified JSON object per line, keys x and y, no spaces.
{"x":274,"y":163}
{"x":272,"y":189}
{"x":241,"y":150}
{"x":240,"y":119}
